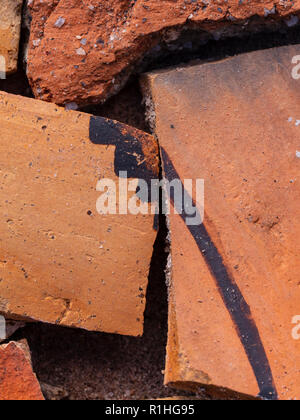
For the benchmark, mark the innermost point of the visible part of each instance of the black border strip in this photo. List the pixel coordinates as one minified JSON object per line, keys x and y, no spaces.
{"x":233,"y":299}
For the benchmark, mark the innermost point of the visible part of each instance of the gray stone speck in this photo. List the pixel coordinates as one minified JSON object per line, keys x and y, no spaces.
{"x":270,"y":12}
{"x":71,"y":106}
{"x":60,"y":22}
{"x":292,"y":21}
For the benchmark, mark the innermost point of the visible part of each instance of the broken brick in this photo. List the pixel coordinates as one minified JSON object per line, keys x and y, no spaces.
{"x":85,"y":52}
{"x":10,"y":26}
{"x":234,"y":280}
{"x":61,"y":261}
{"x":17,"y":379}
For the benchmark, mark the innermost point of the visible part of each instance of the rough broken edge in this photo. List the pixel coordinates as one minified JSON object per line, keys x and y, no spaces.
{"x":168,"y":39}
{"x":23,"y":346}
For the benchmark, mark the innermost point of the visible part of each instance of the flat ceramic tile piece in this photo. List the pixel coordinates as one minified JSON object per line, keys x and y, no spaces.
{"x":61,"y":261}
{"x":84,"y":52}
{"x":17,"y":379}
{"x":234,"y":293}
{"x":10,"y":26}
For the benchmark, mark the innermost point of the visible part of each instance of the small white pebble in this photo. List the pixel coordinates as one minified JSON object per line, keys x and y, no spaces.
{"x":298,"y":154}
{"x":80,"y":51}
{"x":36,"y":42}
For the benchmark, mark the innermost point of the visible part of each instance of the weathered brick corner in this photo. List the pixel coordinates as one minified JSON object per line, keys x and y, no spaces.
{"x":17,"y":379}
{"x":85,"y":52}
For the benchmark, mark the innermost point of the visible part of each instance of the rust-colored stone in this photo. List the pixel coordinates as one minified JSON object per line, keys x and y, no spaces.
{"x":84,"y":52}
{"x":10,"y":25}
{"x":61,"y":261}
{"x":234,"y":279}
{"x":17,"y":380}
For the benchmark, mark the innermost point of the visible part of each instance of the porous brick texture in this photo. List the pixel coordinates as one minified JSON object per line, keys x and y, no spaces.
{"x":234,"y":280}
{"x":17,"y":379}
{"x":85,"y":51}
{"x":61,"y":261}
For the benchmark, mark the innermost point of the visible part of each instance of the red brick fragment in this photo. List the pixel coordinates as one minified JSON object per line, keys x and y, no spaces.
{"x":234,"y":291}
{"x":84,"y":52}
{"x":61,"y":261}
{"x":17,"y":380}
